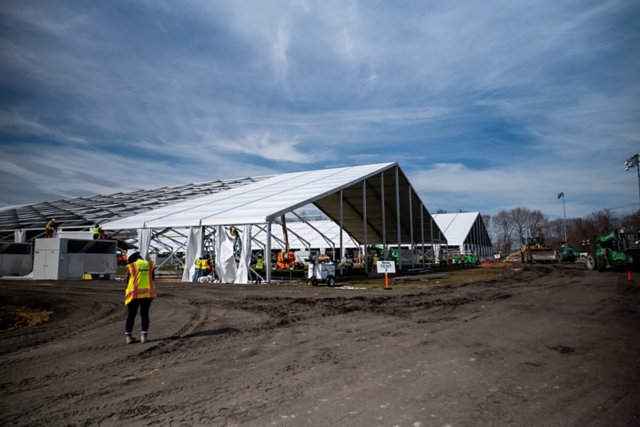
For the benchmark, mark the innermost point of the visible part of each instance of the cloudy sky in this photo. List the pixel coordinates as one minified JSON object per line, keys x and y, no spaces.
{"x":486,"y":105}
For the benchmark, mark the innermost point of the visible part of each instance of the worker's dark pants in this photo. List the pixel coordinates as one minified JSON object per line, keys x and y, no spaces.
{"x":132,"y":307}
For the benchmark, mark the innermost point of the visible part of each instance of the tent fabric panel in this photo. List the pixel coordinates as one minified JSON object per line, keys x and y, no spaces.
{"x":456,"y":226}
{"x":253,"y":202}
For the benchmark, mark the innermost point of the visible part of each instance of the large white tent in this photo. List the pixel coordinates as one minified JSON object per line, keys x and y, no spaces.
{"x":466,"y":231}
{"x":372,"y":203}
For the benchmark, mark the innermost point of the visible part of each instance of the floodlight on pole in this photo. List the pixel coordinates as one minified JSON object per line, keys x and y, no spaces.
{"x":629,"y":164}
{"x":564,"y":215}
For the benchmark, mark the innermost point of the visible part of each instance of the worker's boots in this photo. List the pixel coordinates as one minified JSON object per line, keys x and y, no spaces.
{"x":143,"y":338}
{"x":129,"y":339}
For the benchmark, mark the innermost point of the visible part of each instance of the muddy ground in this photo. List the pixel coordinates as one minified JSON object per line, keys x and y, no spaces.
{"x":544,"y":345}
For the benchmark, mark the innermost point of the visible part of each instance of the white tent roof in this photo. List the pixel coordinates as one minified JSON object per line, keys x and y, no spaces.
{"x":456,"y":226}
{"x":382,"y":188}
{"x":255,"y":203}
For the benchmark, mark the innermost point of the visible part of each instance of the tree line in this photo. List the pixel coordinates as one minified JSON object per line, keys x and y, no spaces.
{"x":510,"y":228}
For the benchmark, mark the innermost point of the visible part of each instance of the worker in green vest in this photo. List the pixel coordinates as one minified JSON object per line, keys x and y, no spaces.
{"x":97,"y":231}
{"x":259,"y":268}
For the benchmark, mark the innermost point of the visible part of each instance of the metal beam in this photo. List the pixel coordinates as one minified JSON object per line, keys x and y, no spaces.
{"x":398,"y":216}
{"x":267,"y":254}
{"x":384,"y":219}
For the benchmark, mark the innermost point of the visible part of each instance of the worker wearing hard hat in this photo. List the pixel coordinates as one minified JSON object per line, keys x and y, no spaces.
{"x":50,"y":228}
{"x":140,"y":292}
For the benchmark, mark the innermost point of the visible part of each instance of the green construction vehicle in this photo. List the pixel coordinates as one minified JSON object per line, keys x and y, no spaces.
{"x":466,"y":259}
{"x":615,"y":250}
{"x":567,"y":254}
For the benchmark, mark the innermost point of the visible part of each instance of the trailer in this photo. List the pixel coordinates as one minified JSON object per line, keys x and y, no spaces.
{"x":321,"y":272}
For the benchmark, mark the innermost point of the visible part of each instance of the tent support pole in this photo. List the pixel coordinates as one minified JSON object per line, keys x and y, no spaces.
{"x":398,"y":216}
{"x":278,"y":240}
{"x":364,"y":225}
{"x":433,"y":249}
{"x":326,"y":239}
{"x":341,"y":246}
{"x":267,"y":254}
{"x":422,"y":230}
{"x":384,"y":219}
{"x":413,"y":264}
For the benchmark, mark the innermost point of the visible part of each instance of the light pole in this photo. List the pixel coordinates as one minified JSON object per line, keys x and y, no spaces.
{"x":629,"y":164}
{"x":564,"y":215}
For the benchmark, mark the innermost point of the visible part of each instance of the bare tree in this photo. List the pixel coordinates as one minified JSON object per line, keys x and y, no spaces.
{"x":503,"y":230}
{"x":537,"y":222}
{"x":554,"y":231}
{"x":632,"y":222}
{"x":520,"y":218}
{"x":602,"y":222}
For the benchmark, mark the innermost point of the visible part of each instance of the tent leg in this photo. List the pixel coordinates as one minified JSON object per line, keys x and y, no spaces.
{"x":267,"y":254}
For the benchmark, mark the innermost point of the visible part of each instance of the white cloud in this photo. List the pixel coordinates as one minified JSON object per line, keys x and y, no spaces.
{"x":488,"y":93}
{"x":13,"y":122}
{"x":263,"y":145}
{"x":453,"y":186}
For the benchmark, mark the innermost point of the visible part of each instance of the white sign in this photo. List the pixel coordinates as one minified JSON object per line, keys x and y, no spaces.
{"x":386,"y":266}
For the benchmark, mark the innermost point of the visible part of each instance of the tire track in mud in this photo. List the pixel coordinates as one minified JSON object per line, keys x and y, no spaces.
{"x":179,"y":348}
{"x":56,"y":406}
{"x":289,"y":311}
{"x":238,"y":355}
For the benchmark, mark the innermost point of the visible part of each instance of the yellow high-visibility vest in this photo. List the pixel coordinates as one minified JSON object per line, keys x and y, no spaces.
{"x":259,"y":264}
{"x":96,"y":231}
{"x":202,"y":264}
{"x":140,"y":281}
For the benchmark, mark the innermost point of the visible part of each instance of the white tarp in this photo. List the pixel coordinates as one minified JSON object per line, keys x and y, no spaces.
{"x":242,"y":273}
{"x":144,"y":240}
{"x":19,"y":236}
{"x":225,"y":261}
{"x":192,"y":251}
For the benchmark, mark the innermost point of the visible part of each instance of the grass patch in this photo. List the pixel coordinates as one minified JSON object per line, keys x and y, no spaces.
{"x":14,"y":317}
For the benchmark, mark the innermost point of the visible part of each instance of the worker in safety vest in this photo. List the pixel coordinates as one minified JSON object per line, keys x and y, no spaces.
{"x":204,"y":266}
{"x":50,"y":227}
{"x":97,"y":232}
{"x":140,"y":292}
{"x":259,"y":268}
{"x":208,"y":265}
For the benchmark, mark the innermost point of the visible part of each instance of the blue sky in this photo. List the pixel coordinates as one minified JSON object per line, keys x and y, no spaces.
{"x":486,"y":105}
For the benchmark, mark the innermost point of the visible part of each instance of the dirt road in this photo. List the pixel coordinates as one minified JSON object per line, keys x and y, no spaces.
{"x":545,"y":346}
